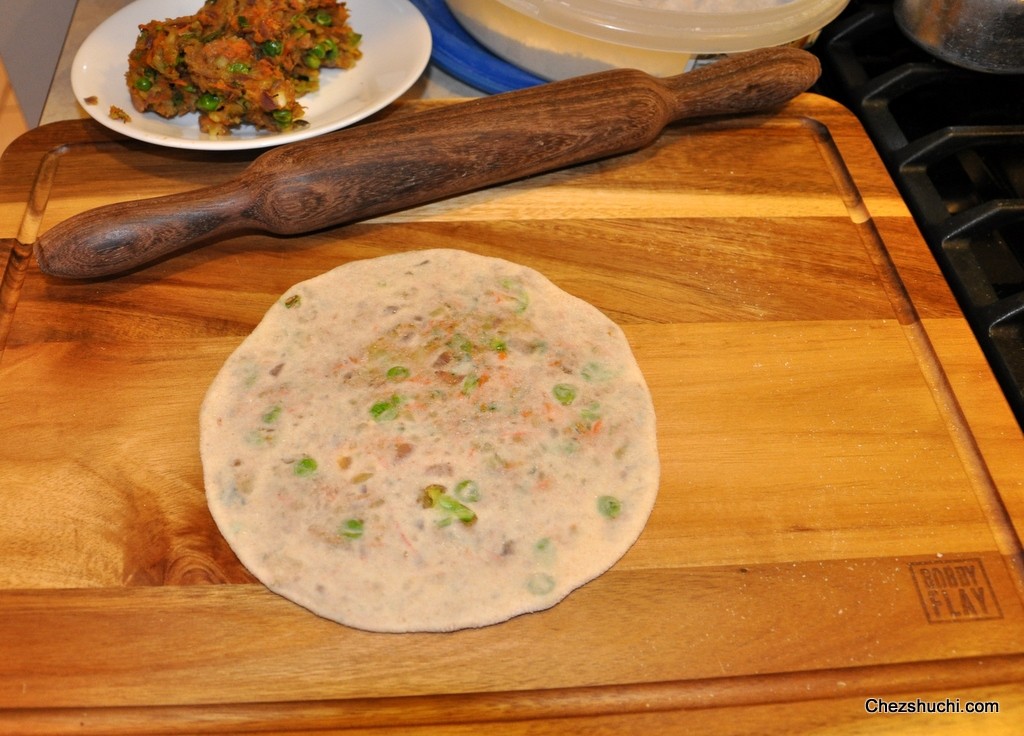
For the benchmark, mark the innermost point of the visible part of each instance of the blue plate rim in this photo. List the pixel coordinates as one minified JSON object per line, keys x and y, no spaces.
{"x":457,"y":53}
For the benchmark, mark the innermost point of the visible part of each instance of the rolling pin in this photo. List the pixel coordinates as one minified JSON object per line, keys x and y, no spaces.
{"x":393,"y":164}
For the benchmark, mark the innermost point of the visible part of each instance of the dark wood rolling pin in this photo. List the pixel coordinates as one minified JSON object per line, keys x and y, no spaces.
{"x":393,"y":164}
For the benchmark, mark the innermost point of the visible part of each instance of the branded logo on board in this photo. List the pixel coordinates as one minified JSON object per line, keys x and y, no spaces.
{"x":955,"y":590}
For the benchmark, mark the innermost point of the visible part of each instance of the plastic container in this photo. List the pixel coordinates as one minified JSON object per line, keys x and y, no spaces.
{"x":557,"y":39}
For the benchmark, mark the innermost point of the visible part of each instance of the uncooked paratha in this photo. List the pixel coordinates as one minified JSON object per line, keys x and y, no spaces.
{"x":429,"y":441}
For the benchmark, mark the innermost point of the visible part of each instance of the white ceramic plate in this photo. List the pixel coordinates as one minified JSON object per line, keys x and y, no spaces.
{"x":396,"y":48}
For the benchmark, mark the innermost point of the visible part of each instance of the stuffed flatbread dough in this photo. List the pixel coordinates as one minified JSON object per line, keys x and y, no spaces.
{"x":429,"y":441}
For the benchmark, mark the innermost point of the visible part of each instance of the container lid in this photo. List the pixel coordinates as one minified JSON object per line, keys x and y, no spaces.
{"x":691,"y":26}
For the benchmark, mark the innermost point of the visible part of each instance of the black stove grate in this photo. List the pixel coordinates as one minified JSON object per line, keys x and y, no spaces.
{"x":953,"y":141}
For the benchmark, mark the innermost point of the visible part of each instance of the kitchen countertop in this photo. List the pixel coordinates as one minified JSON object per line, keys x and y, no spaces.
{"x":842,"y":495}
{"x":12,"y":119}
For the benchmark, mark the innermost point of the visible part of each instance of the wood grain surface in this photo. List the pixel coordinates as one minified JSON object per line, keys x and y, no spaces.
{"x":843,"y":485}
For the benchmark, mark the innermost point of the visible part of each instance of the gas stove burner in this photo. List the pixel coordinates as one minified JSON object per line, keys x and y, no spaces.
{"x":953,"y":141}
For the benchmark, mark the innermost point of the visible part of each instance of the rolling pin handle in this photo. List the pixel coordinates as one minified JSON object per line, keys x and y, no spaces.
{"x":754,"y":81}
{"x":120,"y":237}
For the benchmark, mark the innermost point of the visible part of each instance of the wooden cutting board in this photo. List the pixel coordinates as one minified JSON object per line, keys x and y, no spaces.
{"x":843,"y":485}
